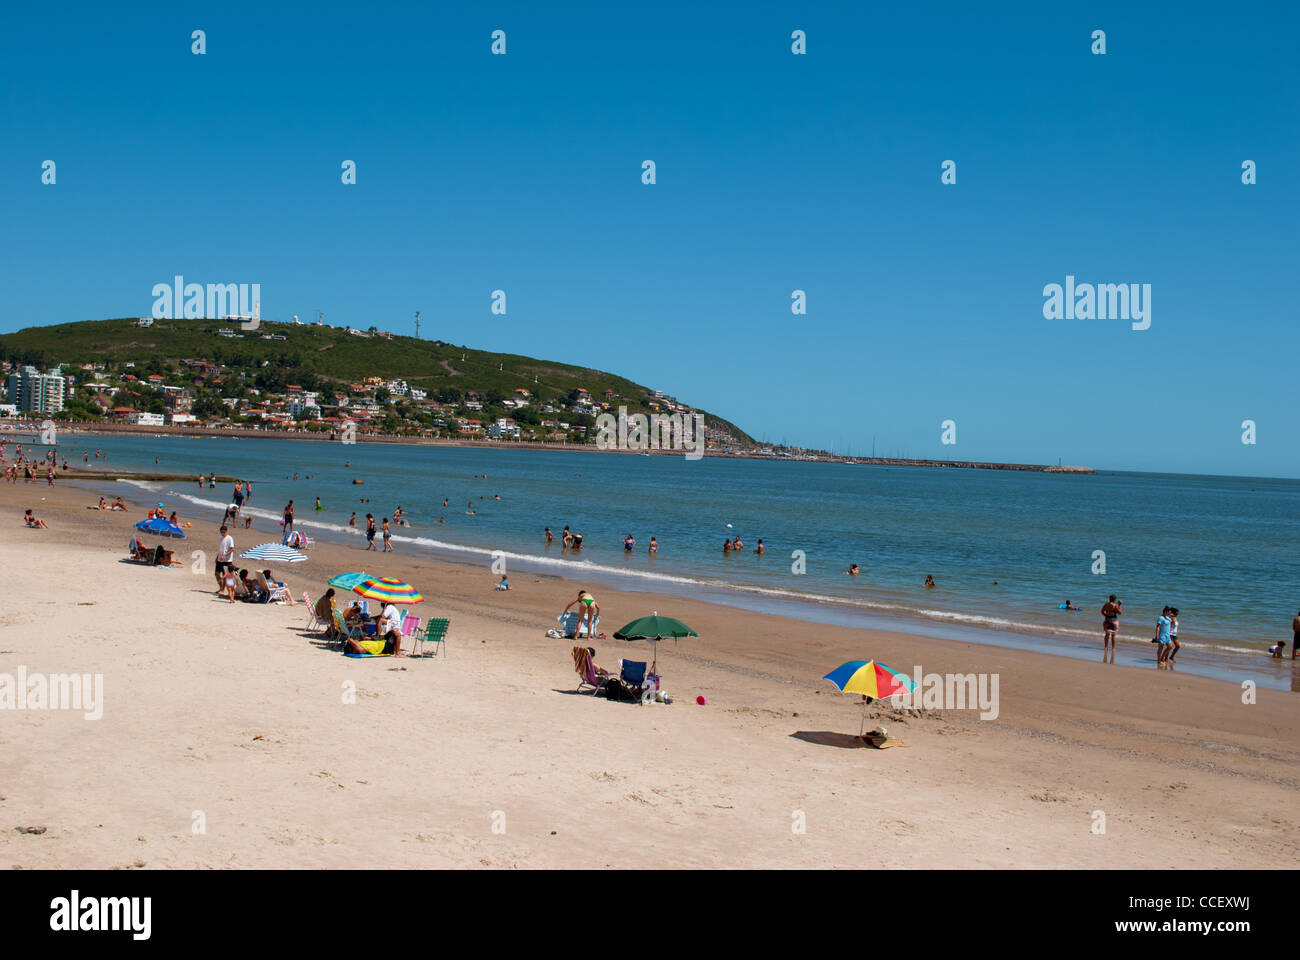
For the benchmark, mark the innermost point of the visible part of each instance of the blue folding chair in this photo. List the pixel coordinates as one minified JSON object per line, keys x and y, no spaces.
{"x":632,"y":672}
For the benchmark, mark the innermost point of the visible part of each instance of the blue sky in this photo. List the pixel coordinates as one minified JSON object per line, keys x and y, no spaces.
{"x":775,"y":172}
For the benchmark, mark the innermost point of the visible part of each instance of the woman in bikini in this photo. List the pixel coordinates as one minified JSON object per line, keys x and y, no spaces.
{"x":1110,"y":614}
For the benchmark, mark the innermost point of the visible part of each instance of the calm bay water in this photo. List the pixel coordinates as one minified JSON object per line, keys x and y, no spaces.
{"x":1221,"y":549}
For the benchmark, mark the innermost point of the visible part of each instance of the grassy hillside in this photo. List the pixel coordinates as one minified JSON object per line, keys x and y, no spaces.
{"x":327,"y":353}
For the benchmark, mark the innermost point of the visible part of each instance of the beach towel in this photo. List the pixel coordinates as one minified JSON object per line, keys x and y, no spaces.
{"x":366,"y":656}
{"x":881,"y":740}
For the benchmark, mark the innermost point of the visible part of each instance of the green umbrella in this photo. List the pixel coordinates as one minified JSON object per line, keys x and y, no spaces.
{"x":348,"y":581}
{"x":654,"y":628}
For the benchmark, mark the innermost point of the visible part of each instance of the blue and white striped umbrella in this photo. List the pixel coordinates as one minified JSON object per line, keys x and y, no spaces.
{"x":274,"y":553}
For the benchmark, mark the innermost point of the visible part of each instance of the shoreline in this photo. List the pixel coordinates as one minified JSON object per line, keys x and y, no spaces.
{"x":250,"y":433}
{"x":233,"y":710}
{"x":1223,"y":665}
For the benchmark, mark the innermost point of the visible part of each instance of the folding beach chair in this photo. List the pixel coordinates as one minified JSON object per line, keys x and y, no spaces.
{"x":632,"y":672}
{"x":314,"y":623}
{"x":345,"y":631}
{"x":435,"y":632}
{"x":273,"y":593}
{"x":410,"y":627}
{"x":586,"y":670}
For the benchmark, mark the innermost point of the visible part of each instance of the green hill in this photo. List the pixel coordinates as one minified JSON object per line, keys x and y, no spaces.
{"x":324,"y":357}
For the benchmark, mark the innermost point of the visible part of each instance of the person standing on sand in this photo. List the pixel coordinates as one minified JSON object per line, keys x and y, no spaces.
{"x":1175,"y":646}
{"x":1162,"y":639}
{"x":288,"y":521}
{"x":225,"y":557}
{"x":370,"y":531}
{"x":588,"y":613}
{"x":1110,"y":614}
{"x":388,"y":547}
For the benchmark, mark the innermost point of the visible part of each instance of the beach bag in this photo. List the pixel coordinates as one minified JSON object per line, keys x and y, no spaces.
{"x":616,"y":689}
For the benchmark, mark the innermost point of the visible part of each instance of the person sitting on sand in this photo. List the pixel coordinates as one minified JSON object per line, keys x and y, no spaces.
{"x":103,"y":504}
{"x":504,"y":584}
{"x":34,"y":521}
{"x":118,"y":504}
{"x":255,"y":592}
{"x":163,"y":558}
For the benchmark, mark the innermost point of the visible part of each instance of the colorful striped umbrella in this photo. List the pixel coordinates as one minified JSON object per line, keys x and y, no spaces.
{"x":873,"y":680}
{"x":388,"y":590}
{"x":274,"y":553}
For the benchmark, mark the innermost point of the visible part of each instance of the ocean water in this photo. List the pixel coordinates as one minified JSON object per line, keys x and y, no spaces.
{"x":1221,"y":549}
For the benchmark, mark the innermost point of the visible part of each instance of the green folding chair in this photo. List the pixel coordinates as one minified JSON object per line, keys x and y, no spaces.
{"x":435,"y":632}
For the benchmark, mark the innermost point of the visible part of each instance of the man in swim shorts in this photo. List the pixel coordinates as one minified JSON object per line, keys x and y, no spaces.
{"x":1295,"y":636}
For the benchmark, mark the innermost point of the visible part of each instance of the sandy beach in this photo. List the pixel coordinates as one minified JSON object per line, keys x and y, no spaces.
{"x":230,"y":736}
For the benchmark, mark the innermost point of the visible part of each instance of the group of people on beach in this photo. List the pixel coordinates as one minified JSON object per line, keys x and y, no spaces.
{"x":29,"y":468}
{"x":1166,"y":632}
{"x":258,"y":587}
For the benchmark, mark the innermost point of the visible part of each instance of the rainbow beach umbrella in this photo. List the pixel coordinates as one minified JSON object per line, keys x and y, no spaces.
{"x":388,"y":590}
{"x":873,"y":680}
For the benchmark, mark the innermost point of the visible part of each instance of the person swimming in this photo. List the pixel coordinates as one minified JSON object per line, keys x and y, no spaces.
{"x":852,"y":571}
{"x":929,"y":581}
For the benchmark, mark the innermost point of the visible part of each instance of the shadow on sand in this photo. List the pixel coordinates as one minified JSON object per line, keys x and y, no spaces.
{"x":829,"y":738}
